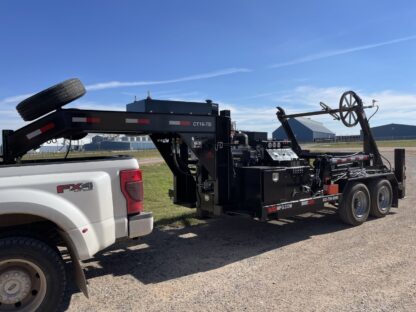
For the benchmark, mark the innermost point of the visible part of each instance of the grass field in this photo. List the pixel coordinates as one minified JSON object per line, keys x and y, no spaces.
{"x":157,"y":181}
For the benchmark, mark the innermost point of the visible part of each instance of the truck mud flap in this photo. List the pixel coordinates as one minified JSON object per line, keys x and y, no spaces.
{"x":79,"y":275}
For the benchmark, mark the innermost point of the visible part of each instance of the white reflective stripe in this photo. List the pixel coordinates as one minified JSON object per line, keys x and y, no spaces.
{"x":33,"y":134}
{"x":79,"y":119}
{"x":174,"y":122}
{"x":131,"y":120}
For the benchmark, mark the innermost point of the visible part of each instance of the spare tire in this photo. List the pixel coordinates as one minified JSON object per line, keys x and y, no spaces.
{"x":50,"y":99}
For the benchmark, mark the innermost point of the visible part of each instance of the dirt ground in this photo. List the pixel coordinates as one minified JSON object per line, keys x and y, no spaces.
{"x":309,"y":263}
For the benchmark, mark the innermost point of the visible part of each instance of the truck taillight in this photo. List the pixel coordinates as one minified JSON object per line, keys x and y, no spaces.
{"x":132,"y":189}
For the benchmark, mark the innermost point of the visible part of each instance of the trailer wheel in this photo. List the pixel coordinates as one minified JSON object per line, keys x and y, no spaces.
{"x":355,"y":205}
{"x":32,"y":275}
{"x":50,"y":99}
{"x":381,"y":198}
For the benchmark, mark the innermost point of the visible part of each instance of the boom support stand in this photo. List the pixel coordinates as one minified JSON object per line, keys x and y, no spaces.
{"x":369,"y":143}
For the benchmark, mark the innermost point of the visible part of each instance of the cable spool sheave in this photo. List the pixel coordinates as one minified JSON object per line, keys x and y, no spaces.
{"x":348,"y":100}
{"x":50,"y":99}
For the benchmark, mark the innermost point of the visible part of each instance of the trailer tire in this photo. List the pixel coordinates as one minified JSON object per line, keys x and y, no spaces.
{"x":355,"y":205}
{"x":32,"y":275}
{"x":50,"y":99}
{"x":381,"y":198}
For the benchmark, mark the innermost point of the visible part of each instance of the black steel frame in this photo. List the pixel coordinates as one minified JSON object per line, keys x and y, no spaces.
{"x":369,"y":143}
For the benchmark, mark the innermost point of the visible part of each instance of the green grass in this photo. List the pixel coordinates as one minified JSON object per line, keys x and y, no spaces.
{"x":157,"y":181}
{"x":398,"y":143}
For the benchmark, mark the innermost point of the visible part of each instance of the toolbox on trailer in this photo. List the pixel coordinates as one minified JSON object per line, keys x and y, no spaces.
{"x":265,"y":185}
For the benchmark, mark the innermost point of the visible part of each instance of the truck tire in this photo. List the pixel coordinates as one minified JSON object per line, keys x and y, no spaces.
{"x":355,"y":205}
{"x":381,"y":198}
{"x":50,"y":99}
{"x":32,"y":275}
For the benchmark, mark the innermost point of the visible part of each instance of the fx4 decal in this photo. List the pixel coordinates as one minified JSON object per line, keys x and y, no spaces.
{"x":77,"y":187}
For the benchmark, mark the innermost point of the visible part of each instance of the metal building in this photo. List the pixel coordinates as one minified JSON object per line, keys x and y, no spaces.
{"x":305,"y":130}
{"x":394,"y":132}
{"x":122,"y":143}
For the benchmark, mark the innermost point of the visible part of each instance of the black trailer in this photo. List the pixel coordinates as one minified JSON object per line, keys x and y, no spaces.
{"x":220,"y":170}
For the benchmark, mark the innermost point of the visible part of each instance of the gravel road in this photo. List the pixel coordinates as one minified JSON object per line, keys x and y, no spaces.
{"x":309,"y":263}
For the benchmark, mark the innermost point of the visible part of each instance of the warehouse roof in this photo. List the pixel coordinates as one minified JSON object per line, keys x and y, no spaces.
{"x":393,"y":125}
{"x":315,"y":126}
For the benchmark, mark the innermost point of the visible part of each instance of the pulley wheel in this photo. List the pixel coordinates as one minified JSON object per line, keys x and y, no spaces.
{"x":348,"y":100}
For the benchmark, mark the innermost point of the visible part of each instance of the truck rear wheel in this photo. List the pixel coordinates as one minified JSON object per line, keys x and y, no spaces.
{"x":355,"y":205}
{"x":50,"y":99}
{"x":32,"y":275}
{"x":381,"y":198}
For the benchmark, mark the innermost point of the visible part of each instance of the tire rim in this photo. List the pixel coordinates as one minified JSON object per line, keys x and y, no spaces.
{"x":384,"y":198}
{"x":360,"y":204}
{"x":22,"y":285}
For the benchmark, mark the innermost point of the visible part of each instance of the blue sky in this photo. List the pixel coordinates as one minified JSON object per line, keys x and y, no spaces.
{"x":249,"y":56}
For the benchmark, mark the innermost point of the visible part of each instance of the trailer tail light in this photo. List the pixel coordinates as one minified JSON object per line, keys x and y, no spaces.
{"x":331,"y":189}
{"x":271,"y":209}
{"x":132,"y":189}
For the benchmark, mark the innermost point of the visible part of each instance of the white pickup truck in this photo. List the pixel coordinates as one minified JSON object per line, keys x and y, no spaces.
{"x":84,"y":205}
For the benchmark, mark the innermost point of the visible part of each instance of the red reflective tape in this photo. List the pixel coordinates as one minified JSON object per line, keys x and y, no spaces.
{"x":41,"y":130}
{"x":143,"y":121}
{"x":180,"y":123}
{"x":93,"y":120}
{"x":311,"y":202}
{"x":271,"y":209}
{"x":47,"y":127}
{"x":86,"y":119}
